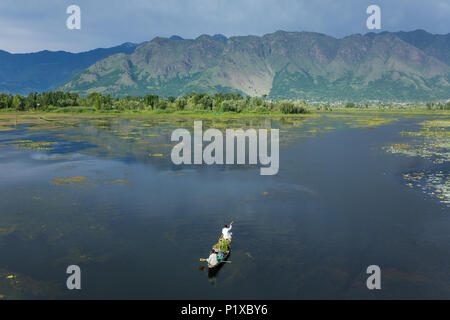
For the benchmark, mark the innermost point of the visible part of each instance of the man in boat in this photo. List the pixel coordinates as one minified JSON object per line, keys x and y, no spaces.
{"x":226,"y":234}
{"x":212,"y":260}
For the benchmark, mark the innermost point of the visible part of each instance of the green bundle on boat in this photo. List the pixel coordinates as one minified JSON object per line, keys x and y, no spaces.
{"x":223,"y":245}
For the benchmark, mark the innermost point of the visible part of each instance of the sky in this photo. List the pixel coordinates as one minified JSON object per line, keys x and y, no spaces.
{"x":34,"y":25}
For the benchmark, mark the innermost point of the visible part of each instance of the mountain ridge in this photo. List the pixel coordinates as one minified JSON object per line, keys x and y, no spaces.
{"x":45,"y":70}
{"x":413,"y":65}
{"x":282,"y":65}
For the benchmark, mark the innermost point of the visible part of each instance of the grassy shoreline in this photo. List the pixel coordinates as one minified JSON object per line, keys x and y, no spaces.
{"x":390,"y":111}
{"x":163,"y":114}
{"x":211,"y":114}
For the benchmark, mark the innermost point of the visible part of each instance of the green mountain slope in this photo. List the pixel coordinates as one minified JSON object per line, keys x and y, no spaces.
{"x":45,"y":70}
{"x":435,"y":45}
{"x":282,"y":65}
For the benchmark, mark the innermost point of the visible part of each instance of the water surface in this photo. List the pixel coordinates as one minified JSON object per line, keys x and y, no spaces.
{"x":102,"y":193}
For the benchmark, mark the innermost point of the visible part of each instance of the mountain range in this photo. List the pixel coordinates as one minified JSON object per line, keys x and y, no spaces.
{"x":45,"y":70}
{"x":399,"y":66}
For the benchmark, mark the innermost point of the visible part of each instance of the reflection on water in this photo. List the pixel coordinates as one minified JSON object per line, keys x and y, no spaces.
{"x":102,"y":193}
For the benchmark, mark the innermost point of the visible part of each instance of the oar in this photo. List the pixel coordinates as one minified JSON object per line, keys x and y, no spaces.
{"x":203,"y":259}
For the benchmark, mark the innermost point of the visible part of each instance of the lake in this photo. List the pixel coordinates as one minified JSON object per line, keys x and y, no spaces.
{"x":101,"y":192}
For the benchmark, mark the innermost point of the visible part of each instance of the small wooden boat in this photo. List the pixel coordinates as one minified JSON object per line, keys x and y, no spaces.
{"x":221,"y":261}
{"x":225,"y":247}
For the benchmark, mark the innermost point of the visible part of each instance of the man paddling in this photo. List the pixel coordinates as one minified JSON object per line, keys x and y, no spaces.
{"x":226,"y":234}
{"x":212,"y":260}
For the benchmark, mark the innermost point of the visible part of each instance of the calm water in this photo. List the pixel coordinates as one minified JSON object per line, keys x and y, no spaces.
{"x":105,"y":195}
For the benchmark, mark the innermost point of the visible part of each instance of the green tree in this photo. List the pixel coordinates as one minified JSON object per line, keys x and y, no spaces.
{"x":151,"y":100}
{"x":98,"y":102}
{"x":5,"y":101}
{"x":18,"y":102}
{"x":180,"y":103}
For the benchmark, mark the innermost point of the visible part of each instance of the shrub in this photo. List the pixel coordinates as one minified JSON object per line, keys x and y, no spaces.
{"x":350,"y":105}
{"x":288,"y":107}
{"x":162,"y":105}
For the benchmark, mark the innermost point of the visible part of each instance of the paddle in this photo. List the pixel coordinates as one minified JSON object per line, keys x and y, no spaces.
{"x":203,"y":259}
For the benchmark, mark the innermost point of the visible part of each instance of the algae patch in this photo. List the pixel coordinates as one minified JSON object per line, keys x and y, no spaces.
{"x":436,"y":185}
{"x":431,"y":143}
{"x":35,"y":145}
{"x":76,"y":180}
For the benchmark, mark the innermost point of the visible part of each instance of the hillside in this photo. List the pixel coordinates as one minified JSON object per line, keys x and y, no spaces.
{"x":45,"y":70}
{"x":283,"y":65}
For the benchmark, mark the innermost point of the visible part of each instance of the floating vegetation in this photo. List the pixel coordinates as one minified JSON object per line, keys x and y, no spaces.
{"x":362,"y":121}
{"x":435,"y":151}
{"x":443,"y":123}
{"x":432,"y":127}
{"x":29,"y":144}
{"x":79,"y":256}
{"x":15,"y":286}
{"x":120,"y":182}
{"x":7,"y":230}
{"x":6,"y":128}
{"x":401,"y":146}
{"x":436,"y":185}
{"x":370,"y":122}
{"x":423,"y":133}
{"x":77,"y":180}
{"x":431,"y":143}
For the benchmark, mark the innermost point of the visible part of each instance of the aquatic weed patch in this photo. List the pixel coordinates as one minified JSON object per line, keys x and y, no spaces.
{"x":436,"y":185}
{"x":6,"y":128}
{"x":432,"y":127}
{"x":426,"y":133}
{"x":14,"y":286}
{"x":430,"y":143}
{"x":362,"y":121}
{"x":76,"y":180}
{"x":35,"y":145}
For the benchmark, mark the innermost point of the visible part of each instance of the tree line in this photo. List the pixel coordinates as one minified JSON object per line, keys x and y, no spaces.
{"x":219,"y":102}
{"x":59,"y":101}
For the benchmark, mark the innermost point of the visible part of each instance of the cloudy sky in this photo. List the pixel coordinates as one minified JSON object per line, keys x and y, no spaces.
{"x":33,"y":25}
